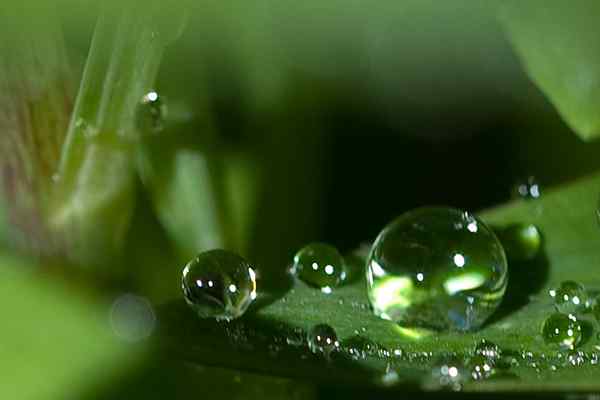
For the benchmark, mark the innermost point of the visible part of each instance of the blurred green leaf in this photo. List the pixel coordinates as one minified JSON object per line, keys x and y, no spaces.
{"x":56,"y":341}
{"x":269,"y":338}
{"x":558,"y":44}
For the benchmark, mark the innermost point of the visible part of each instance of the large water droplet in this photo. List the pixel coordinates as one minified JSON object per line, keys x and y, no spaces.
{"x":219,"y":284}
{"x":522,"y":242}
{"x":320,"y":265}
{"x":322,"y":339}
{"x":562,"y":330}
{"x":150,"y":113}
{"x":437,"y":268}
{"x":570,"y":297}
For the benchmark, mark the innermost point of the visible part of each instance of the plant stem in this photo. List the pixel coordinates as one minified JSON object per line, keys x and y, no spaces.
{"x":94,"y":192}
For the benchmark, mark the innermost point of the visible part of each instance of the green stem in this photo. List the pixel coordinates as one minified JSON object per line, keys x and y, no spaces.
{"x":94,"y":193}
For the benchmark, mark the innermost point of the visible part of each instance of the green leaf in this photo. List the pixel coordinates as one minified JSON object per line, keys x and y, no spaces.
{"x":558,"y":44}
{"x":56,"y":340}
{"x":267,"y":338}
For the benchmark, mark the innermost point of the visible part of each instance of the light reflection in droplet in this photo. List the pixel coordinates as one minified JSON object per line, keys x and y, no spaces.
{"x":459,"y":260}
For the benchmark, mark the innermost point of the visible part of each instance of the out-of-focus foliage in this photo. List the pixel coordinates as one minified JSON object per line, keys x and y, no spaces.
{"x":558,"y":43}
{"x":56,"y":341}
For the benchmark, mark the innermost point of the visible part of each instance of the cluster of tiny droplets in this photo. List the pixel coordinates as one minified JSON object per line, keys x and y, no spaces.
{"x":571,"y":301}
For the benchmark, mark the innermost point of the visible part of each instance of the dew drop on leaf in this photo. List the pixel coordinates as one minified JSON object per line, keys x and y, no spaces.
{"x":562,"y":330}
{"x":570,"y":297}
{"x":447,"y":373}
{"x":575,"y":358}
{"x":488,"y":349}
{"x":481,"y":367}
{"x":219,"y":284}
{"x":436,"y":268}
{"x":322,"y":339}
{"x":320,"y":265}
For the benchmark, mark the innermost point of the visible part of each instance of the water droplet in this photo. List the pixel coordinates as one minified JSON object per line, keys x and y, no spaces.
{"x":447,"y":373}
{"x":150,"y":113}
{"x":528,"y":189}
{"x":322,"y":339}
{"x":562,"y":330}
{"x":488,"y":349}
{"x":575,"y":358}
{"x":296,"y":337}
{"x":508,"y":360}
{"x":481,"y":367}
{"x":437,"y":268}
{"x":522,"y":242}
{"x":219,"y":284}
{"x":570,"y":297}
{"x":359,"y":347}
{"x":132,"y":318}
{"x":389,"y":378}
{"x":320,"y":265}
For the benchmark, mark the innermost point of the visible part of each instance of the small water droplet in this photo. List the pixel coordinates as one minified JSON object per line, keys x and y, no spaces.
{"x":322,"y":339}
{"x":562,"y":330}
{"x":320,"y":265}
{"x":521,"y":241}
{"x":575,"y":358}
{"x":508,"y":359}
{"x":528,"y":189}
{"x":488,"y":349}
{"x":447,"y":373}
{"x":150,"y":113}
{"x":295,"y":338}
{"x":481,"y":367}
{"x":389,"y":377}
{"x":570,"y":297}
{"x":219,"y":284}
{"x":436,"y":268}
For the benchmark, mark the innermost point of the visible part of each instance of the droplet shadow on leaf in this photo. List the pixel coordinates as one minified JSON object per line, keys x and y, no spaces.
{"x":355,"y":267}
{"x":526,"y":278}
{"x":587,"y":331}
{"x":271,"y":287}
